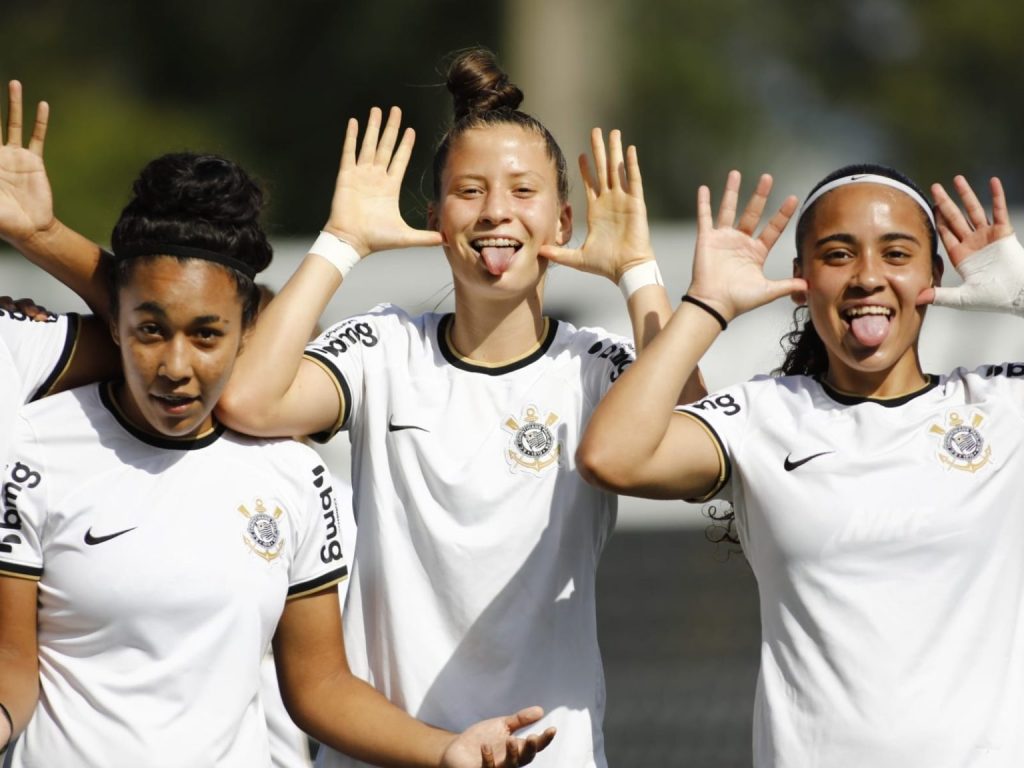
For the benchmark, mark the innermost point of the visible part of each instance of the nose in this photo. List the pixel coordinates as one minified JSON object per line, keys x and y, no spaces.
{"x":495,"y":209}
{"x":869,"y":274}
{"x":175,"y":363}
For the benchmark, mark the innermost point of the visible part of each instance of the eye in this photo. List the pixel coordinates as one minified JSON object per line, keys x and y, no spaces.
{"x":898,"y":255}
{"x":207,"y":336}
{"x":469,"y":191}
{"x":836,"y":256}
{"x":524,"y":190}
{"x":148,"y":330}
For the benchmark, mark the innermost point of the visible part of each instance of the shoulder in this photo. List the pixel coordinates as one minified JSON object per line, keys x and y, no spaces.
{"x":598,"y":347}
{"x":59,"y":413}
{"x":762,"y":392}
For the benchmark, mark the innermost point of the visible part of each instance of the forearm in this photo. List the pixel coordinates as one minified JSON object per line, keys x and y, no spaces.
{"x":649,"y":312}
{"x":19,"y":656}
{"x":352,"y":717}
{"x":19,"y":692}
{"x":73,"y":259}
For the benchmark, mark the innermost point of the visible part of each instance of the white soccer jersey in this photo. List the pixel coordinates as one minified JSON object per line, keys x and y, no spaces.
{"x":163,"y":568}
{"x":473,"y":587}
{"x":33,"y":355}
{"x":887,"y":538}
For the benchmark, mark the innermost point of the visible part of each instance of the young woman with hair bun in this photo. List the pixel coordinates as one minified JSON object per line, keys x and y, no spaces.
{"x":151,"y":555}
{"x":473,"y":584}
{"x":879,"y":505}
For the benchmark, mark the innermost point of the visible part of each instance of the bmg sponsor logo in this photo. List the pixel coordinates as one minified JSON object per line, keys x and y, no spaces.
{"x":20,"y":478}
{"x":339,"y":341}
{"x":725,"y":403}
{"x":331,"y":551}
{"x":619,"y":355}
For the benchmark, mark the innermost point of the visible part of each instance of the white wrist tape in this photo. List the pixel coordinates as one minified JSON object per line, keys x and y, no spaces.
{"x":643,"y":274}
{"x":993,"y":280}
{"x":342,"y":255}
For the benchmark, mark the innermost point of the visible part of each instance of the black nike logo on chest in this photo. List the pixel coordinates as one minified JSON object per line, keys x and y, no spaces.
{"x":93,"y":540}
{"x":789,"y":465}
{"x":392,"y":427}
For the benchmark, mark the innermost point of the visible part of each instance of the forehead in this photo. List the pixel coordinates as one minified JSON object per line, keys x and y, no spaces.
{"x":502,"y":148}
{"x":868,"y":209}
{"x":191,"y":287}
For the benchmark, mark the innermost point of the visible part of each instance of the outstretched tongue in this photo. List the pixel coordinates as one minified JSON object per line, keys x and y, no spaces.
{"x":497,"y":259}
{"x":870,"y":330}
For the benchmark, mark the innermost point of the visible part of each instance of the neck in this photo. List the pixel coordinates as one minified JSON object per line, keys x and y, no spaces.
{"x":902,"y":379}
{"x":493,"y":330}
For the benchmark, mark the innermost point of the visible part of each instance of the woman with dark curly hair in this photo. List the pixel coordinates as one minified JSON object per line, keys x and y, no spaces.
{"x":478,"y":543}
{"x":879,"y":506}
{"x":157,"y":554}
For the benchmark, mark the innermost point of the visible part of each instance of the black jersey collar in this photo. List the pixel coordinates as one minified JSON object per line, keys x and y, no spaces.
{"x":493,"y":369}
{"x":847,"y":398}
{"x":158,"y":441}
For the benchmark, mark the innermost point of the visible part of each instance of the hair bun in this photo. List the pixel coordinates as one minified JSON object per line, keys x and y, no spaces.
{"x":478,"y":84}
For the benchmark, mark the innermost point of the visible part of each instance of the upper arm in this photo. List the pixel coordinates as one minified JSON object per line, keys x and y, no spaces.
{"x":314,"y":403}
{"x":309,"y":646}
{"x":688,"y":463}
{"x":94,"y":357}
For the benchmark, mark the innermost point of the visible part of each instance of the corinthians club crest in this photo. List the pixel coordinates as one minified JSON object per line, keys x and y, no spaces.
{"x":961,"y":444}
{"x":533,"y":445}
{"x":262,"y":533}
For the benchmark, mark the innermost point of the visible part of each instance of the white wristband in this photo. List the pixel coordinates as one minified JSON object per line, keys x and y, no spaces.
{"x":342,"y":255}
{"x":993,"y":280}
{"x":643,"y":274}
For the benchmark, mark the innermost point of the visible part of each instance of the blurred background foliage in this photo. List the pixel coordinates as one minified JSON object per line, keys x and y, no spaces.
{"x":790,"y":86}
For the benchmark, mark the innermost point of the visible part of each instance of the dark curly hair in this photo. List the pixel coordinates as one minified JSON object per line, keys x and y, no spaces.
{"x":484,"y":96}
{"x":199,"y":201}
{"x":805,"y":351}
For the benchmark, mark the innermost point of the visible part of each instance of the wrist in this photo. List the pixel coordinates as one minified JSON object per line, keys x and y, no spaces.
{"x":345,"y":237}
{"x":6,"y":728}
{"x":337,"y":251}
{"x":638,"y":276}
{"x":709,"y":307}
{"x":41,"y":239}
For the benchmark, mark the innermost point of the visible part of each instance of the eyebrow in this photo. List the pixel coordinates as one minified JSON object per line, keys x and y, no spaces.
{"x":154,"y":308}
{"x":849,"y":239}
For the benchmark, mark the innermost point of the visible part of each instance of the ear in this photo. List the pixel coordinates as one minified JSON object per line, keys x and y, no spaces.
{"x":112,"y":326}
{"x":938,"y":267}
{"x":799,"y":297}
{"x":432,"y":222}
{"x":564,"y":232}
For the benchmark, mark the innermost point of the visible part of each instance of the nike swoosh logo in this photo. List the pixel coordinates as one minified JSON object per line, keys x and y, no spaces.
{"x":92,"y":540}
{"x":392,"y":427}
{"x":789,"y":466}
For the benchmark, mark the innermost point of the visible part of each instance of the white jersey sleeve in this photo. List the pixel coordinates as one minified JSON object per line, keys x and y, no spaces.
{"x":39,"y":350}
{"x":319,"y":560}
{"x":606,"y":357}
{"x":725,"y":416}
{"x":343,"y":351}
{"x":24,"y":498}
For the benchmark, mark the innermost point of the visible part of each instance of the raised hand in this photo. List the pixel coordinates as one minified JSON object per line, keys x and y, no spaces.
{"x":728,"y":265}
{"x":26,"y":202}
{"x":27,"y":307}
{"x":617,"y":232}
{"x":985,"y":253}
{"x":364,"y":211}
{"x":493,"y":744}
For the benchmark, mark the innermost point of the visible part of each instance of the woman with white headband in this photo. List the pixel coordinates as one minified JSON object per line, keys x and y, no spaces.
{"x":880,"y":507}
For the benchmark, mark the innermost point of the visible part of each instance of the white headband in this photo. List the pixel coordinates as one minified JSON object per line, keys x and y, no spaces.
{"x":869,"y":178}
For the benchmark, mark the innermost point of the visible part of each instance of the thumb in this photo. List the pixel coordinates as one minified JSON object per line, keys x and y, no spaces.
{"x":945,"y":297}
{"x":523,"y":718}
{"x":569,"y":257}
{"x":927,"y":296}
{"x":424,"y":238}
{"x":776,"y":289}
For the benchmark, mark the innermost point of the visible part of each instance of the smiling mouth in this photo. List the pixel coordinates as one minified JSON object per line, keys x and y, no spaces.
{"x":174,"y":403}
{"x":497,"y":252}
{"x":869,"y":324}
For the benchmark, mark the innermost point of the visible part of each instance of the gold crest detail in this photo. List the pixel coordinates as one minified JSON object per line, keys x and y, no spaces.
{"x":961,"y":444}
{"x":262,"y":533}
{"x":533,"y":445}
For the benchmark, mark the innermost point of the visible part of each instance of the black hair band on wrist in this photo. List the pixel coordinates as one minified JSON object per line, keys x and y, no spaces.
{"x":707,"y":308}
{"x":10,"y":722}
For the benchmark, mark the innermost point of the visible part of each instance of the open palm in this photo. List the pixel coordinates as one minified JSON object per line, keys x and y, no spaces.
{"x":26,"y":201}
{"x":365,"y":211}
{"x":492,"y":743}
{"x":728,"y":266}
{"x":617,"y":233}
